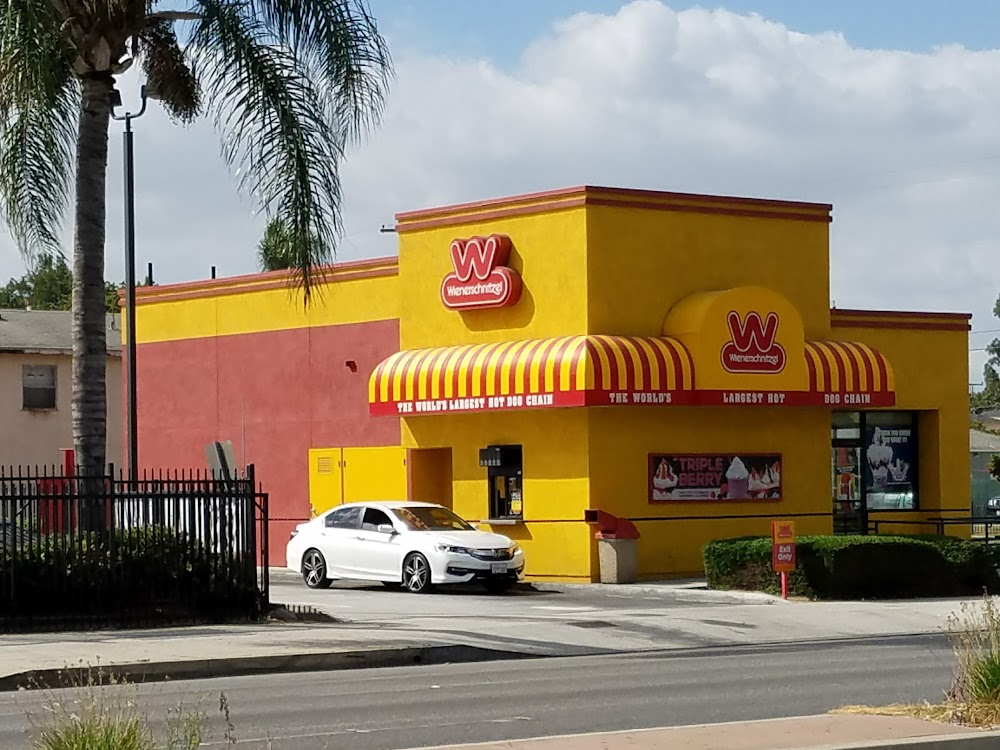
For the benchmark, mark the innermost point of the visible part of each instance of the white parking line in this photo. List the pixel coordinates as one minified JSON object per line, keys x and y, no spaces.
{"x":554,"y":608}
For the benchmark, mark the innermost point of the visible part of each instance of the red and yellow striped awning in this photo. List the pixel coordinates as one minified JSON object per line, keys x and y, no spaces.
{"x":570,"y":371}
{"x":611,"y":370}
{"x":848,"y":372}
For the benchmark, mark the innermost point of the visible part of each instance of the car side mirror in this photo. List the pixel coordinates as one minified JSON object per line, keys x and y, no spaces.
{"x":386,"y":528}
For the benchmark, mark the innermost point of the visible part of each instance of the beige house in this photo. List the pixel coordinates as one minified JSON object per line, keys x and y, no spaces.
{"x":35,"y":387}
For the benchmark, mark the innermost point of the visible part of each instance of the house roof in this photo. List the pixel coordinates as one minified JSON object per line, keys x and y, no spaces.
{"x":48,"y":332}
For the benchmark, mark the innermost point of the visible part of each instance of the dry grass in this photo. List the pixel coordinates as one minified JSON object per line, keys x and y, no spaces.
{"x":982,"y":716}
{"x":102,"y":712}
{"x":974,"y":697}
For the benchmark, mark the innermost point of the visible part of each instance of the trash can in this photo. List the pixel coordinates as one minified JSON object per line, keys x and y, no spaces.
{"x":618,"y":559}
{"x":617,"y":540}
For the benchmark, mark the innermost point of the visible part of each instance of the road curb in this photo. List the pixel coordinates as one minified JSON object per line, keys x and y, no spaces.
{"x":198,"y":669}
{"x":686,"y":594}
{"x":962,"y":741}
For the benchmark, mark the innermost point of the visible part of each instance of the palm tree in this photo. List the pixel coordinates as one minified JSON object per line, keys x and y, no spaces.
{"x":290,"y":83}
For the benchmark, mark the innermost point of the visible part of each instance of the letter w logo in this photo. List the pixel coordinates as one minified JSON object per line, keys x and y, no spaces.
{"x":753,"y":333}
{"x":479,"y":256}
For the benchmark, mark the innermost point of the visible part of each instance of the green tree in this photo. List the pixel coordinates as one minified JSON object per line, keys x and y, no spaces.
{"x":48,"y":286}
{"x":288,"y":83}
{"x":274,"y":251}
{"x":989,"y":397}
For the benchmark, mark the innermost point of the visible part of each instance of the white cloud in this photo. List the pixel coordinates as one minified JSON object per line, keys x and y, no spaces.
{"x":906,"y":146}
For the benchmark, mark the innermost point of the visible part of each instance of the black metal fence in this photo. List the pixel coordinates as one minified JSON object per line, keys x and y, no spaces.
{"x":169,"y":548}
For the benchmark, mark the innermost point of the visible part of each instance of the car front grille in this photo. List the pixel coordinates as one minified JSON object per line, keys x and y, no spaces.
{"x":492,"y":554}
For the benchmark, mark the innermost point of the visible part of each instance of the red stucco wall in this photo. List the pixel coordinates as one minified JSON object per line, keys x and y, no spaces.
{"x":275,"y":395}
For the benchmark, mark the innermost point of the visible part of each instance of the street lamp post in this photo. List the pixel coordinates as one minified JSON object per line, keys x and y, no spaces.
{"x":131,"y":388}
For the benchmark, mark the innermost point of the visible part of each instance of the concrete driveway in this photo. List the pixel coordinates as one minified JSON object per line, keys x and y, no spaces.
{"x":550,"y":618}
{"x":580,"y":619}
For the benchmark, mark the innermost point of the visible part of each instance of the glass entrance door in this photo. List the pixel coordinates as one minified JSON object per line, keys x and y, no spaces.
{"x":849,"y":512}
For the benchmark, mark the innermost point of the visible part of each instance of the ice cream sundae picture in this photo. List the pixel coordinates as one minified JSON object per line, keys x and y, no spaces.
{"x":881,"y":463}
{"x":713,"y":476}
{"x":664,"y":481}
{"x":756,"y":483}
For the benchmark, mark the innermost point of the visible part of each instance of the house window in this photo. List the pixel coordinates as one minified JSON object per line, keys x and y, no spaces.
{"x":38,"y":386}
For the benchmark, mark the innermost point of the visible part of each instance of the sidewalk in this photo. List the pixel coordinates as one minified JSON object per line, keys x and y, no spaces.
{"x":805,"y":733}
{"x":51,"y":659}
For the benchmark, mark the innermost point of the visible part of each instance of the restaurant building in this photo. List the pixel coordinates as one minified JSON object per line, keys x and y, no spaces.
{"x":668,"y":358}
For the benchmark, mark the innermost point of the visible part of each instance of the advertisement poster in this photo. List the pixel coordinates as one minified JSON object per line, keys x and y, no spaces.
{"x":698,"y":477}
{"x":890,"y":467}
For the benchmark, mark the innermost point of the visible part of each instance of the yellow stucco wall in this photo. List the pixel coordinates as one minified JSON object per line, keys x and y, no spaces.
{"x":268,"y":302}
{"x":621,"y":440}
{"x":641,"y":262}
{"x":556,"y":542}
{"x":549,"y":253}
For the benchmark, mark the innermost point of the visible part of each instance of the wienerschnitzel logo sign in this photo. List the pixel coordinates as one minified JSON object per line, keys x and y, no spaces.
{"x":481,"y":278}
{"x":753,"y":346}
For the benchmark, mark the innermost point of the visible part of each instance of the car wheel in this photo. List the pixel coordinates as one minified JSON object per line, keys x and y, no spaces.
{"x":416,"y":573}
{"x":501,"y":586}
{"x":314,"y":570}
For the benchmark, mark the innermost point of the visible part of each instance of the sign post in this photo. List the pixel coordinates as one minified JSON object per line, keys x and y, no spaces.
{"x":783,"y":551}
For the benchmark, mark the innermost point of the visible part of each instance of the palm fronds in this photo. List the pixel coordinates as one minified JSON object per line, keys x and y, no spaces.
{"x":39,"y":101}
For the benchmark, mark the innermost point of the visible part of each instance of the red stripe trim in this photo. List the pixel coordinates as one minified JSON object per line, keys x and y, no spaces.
{"x":578,"y":354}
{"x":540,"y":356}
{"x":644,"y":363}
{"x":863,"y":358}
{"x":612,"y":364}
{"x":482,"y":359}
{"x":512,"y":375}
{"x":882,"y":370}
{"x":678,"y":368}
{"x":852,"y":362}
{"x":661,"y":366}
{"x":565,"y":350}
{"x":824,"y":362}
{"x":391,"y":377}
{"x":414,"y":368}
{"x":498,"y":374}
{"x":622,"y":347}
{"x":811,"y":367}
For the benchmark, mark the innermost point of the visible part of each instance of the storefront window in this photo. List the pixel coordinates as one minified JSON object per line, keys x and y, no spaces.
{"x":505,"y":474}
{"x":890,"y":459}
{"x":846,"y":425}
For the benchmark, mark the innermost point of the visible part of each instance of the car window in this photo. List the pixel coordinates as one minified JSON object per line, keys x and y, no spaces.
{"x":430,"y":518}
{"x":374,"y":518}
{"x":344,"y":518}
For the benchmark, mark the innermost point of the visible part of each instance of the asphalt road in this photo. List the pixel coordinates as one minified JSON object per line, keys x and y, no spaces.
{"x":422,"y":706}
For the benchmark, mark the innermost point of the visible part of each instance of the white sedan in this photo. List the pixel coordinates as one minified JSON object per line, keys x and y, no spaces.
{"x":416,"y":545}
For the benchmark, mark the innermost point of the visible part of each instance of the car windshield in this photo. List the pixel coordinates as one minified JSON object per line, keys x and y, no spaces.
{"x":430,"y":518}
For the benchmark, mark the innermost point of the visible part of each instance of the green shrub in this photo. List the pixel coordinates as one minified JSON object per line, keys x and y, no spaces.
{"x":154,"y":571}
{"x":859,"y":567}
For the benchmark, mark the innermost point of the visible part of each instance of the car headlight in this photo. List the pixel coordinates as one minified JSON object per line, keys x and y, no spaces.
{"x":453,"y":549}
{"x":514,"y":549}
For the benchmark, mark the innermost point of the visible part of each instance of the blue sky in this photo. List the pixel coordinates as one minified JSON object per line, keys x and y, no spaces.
{"x":501,"y":30}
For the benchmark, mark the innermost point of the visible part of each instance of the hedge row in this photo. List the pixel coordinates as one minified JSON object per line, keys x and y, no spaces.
{"x":152,"y":572}
{"x":859,"y":567}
